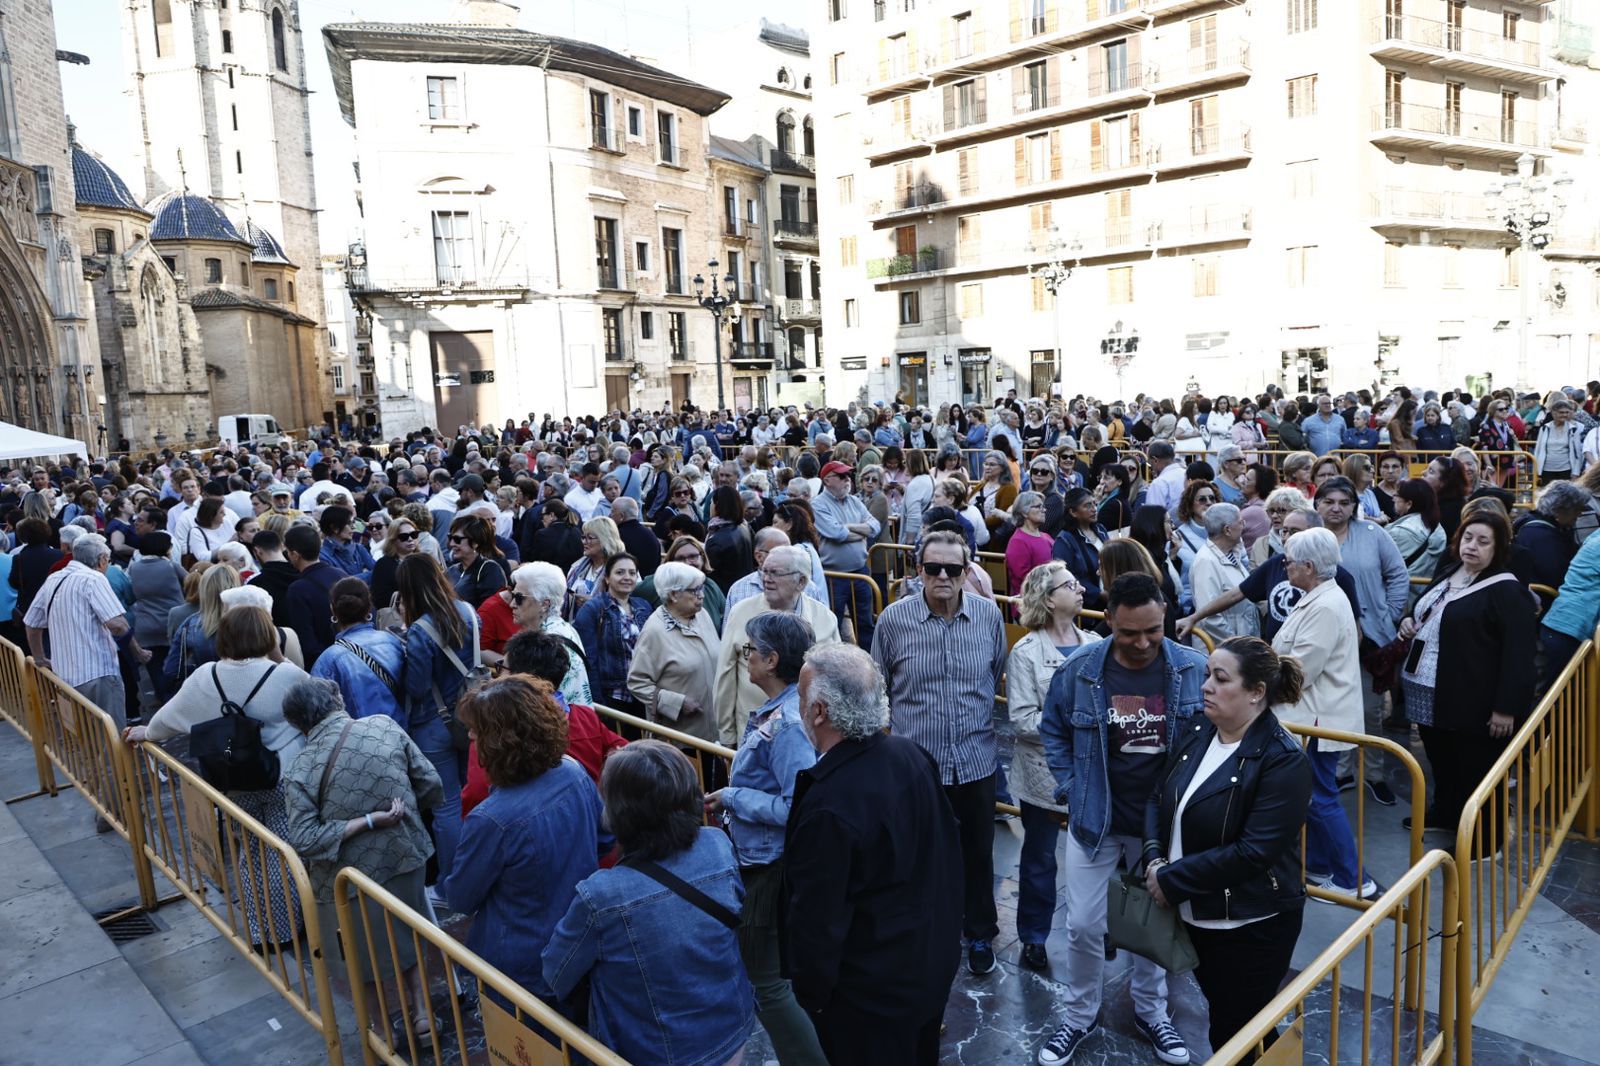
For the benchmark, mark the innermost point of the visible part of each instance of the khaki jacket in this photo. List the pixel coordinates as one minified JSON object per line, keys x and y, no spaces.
{"x":736,"y":697}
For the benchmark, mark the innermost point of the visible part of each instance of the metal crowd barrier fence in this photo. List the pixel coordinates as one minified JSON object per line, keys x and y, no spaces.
{"x":85,"y":744}
{"x":18,"y":707}
{"x":1513,"y":825}
{"x":853,"y":579}
{"x":1315,"y":998}
{"x":708,"y":751}
{"x":517,"y":1027}
{"x":240,"y":875}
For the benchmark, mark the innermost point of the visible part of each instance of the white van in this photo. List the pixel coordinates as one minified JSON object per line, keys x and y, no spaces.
{"x":249,"y":429}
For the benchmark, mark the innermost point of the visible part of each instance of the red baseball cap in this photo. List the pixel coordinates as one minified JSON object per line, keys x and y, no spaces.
{"x":835,"y":467}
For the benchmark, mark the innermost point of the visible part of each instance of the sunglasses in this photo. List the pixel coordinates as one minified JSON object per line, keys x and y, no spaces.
{"x":1041,"y":472}
{"x":407,"y":537}
{"x":457,"y":538}
{"x":518,"y":599}
{"x":945,"y":569}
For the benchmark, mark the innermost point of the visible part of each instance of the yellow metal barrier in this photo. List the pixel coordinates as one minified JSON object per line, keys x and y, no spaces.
{"x":707,"y":750}
{"x":877,"y":593}
{"x":234,"y":870}
{"x":18,"y":707}
{"x":897,"y":563}
{"x":372,"y":926}
{"x":1316,"y":996}
{"x":1513,"y":825}
{"x":85,"y":744}
{"x":994,"y":563}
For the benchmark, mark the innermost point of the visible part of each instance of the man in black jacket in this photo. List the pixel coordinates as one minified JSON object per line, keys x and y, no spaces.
{"x":309,"y":613}
{"x":276,"y":574}
{"x":873,"y":924}
{"x":638,"y":538}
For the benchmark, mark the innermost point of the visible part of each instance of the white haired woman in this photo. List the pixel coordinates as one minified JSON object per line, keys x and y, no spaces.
{"x":1280,"y":502}
{"x":1321,"y":632}
{"x":1051,"y":600}
{"x":1219,"y":567}
{"x":254,"y":596}
{"x":675,"y":660}
{"x":533,"y":604}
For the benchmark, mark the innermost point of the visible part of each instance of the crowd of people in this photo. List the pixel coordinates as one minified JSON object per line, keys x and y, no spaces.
{"x":434,"y":631}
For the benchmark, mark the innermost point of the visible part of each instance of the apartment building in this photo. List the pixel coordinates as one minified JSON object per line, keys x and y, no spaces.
{"x":535,"y":212}
{"x":766,"y":67}
{"x":1284,"y":192}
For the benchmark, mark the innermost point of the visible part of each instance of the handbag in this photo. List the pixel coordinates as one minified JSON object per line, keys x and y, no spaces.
{"x":472,"y":677}
{"x":1135,"y":921}
{"x":229,"y":748}
{"x":683,"y":890}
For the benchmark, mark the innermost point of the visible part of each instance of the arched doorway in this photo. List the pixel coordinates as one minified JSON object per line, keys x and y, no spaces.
{"x":27,"y":358}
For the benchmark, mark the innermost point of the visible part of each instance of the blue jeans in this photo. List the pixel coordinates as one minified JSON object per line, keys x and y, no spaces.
{"x":1330,"y":842}
{"x":1036,"y":874}
{"x":447,"y":816}
{"x":853,"y":599}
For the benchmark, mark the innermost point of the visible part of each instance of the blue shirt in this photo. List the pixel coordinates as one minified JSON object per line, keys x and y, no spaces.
{"x":351,"y":557}
{"x":522,"y":852}
{"x":432,"y":680}
{"x":364,"y":693}
{"x":842,"y":549}
{"x":761,"y":783}
{"x":1323,"y":435}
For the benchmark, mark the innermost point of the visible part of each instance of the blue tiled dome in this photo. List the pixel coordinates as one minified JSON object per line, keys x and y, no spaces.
{"x":267,"y":248}
{"x":183,"y":216}
{"x":98,"y":185}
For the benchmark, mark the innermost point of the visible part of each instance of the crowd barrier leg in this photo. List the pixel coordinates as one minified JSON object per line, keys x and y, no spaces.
{"x":20,"y":707}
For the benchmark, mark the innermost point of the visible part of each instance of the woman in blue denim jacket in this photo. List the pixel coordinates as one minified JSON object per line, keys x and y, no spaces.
{"x":609,"y":623}
{"x":366,"y":692}
{"x":524,"y":849}
{"x":667,"y":985}
{"x":433,"y":682}
{"x":755,"y":806}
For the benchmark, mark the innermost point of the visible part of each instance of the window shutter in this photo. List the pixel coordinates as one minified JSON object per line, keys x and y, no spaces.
{"x":883,"y":59}
{"x":1055,"y":154}
{"x":964,"y":170}
{"x":1135,"y":71}
{"x":949,"y":107}
{"x":1097,"y":151}
{"x":947,"y":41}
{"x":1019,"y":83}
{"x":1051,"y":17}
{"x":1052,"y":75}
{"x":1135,"y":156}
{"x":1016,"y":20}
{"x":1022,"y":160}
{"x":983,"y":98}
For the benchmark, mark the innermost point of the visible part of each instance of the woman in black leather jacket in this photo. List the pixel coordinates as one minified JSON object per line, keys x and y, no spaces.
{"x":1222,"y":833}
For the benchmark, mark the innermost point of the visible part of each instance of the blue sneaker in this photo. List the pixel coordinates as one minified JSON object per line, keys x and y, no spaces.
{"x":980,"y":957}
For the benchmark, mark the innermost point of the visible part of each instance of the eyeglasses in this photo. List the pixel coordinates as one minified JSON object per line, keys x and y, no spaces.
{"x":944,"y":569}
{"x":1069,"y":583}
{"x":746,"y":650}
{"x":1205,"y":499}
{"x":682,"y":492}
{"x":767,"y":575}
{"x":585,"y":536}
{"x":698,"y":590}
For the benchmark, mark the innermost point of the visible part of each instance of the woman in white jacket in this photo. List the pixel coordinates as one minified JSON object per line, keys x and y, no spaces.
{"x":1321,"y":632}
{"x":1051,"y":600}
{"x":1219,"y":567}
{"x":918,"y":496}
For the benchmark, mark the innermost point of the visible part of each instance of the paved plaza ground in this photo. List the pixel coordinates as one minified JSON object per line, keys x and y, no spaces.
{"x":180,"y":994}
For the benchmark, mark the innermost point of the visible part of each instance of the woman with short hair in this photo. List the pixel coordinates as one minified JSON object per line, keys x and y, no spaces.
{"x":526,"y":846}
{"x":477,"y":569}
{"x":1029,"y":545}
{"x":354,"y":796}
{"x":674,"y":663}
{"x":601,"y":540}
{"x":1220,"y":566}
{"x":666,"y":983}
{"x":364,"y":661}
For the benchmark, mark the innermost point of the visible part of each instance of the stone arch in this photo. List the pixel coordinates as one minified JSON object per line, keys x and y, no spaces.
{"x":808,"y":137}
{"x":280,"y":41}
{"x":27,"y":356}
{"x":785,"y":131}
{"x":153,"y":337}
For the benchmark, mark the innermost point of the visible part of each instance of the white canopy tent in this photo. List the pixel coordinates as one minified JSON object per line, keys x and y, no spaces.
{"x":19,"y":443}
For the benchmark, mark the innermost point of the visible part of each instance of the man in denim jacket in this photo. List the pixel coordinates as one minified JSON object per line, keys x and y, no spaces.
{"x":1108,"y":720}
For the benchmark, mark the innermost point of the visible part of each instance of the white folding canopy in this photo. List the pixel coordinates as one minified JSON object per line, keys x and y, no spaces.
{"x":19,"y":443}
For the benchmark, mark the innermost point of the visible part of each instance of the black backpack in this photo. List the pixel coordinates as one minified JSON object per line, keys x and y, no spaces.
{"x":229,"y":748}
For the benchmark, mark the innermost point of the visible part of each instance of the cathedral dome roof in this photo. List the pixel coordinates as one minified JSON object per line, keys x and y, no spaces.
{"x":267,"y":248}
{"x":97,"y":185}
{"x":184,"y":216}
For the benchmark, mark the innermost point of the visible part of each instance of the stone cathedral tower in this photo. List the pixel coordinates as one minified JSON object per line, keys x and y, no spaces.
{"x":219,"y":88}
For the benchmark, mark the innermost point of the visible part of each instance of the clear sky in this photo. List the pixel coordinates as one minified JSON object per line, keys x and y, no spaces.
{"x":98,"y":100}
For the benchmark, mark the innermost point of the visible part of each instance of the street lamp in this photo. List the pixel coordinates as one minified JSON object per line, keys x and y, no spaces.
{"x":1528,"y":207}
{"x":1121,"y":348}
{"x":717,"y":301}
{"x":1054,"y":272}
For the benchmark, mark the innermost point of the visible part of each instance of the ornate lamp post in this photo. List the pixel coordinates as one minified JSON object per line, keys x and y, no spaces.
{"x":1528,"y":206}
{"x":1120,"y":348}
{"x":718,"y":300}
{"x":1061,"y":258}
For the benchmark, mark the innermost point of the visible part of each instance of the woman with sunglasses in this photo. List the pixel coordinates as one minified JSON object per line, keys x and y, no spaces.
{"x":404,"y":539}
{"x":1191,"y":535}
{"x":478,"y":570}
{"x":680,"y":501}
{"x":1043,"y":479}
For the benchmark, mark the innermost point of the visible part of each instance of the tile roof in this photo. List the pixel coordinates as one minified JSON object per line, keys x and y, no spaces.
{"x":185,"y":216}
{"x":97,"y":185}
{"x":267,"y":248}
{"x":225,"y":299}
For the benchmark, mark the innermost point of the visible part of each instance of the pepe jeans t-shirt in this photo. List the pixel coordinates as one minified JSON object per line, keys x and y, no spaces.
{"x":1137,"y":731}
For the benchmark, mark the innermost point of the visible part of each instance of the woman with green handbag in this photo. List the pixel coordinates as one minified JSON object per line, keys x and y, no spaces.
{"x":1223,"y":832}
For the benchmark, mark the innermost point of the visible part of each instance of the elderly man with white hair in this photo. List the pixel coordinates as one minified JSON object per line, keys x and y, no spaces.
{"x":85,"y":621}
{"x":785,"y":574}
{"x":1219,"y":567}
{"x":750,"y":585}
{"x":873,"y":933}
{"x":1321,"y":632}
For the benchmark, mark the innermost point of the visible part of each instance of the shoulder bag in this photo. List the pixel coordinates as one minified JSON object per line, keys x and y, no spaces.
{"x":229,"y":748}
{"x":375,"y":666}
{"x":472,"y":677}
{"x":1135,"y":921}
{"x":683,"y":890}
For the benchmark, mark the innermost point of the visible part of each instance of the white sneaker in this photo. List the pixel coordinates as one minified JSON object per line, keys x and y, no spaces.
{"x":1370,"y":889}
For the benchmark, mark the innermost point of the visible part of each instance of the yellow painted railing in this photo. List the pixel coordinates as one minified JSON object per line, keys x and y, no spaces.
{"x":1315,"y":1000}
{"x":517,"y":1026}
{"x":18,"y":707}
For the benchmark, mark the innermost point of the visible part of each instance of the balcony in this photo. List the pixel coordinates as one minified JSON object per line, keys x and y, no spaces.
{"x":737,"y":229}
{"x":682,"y":353}
{"x":1100,"y":92}
{"x":1120,"y":164}
{"x":1215,"y":224}
{"x":1456,"y":50}
{"x":792,"y":232}
{"x":1404,"y":210}
{"x":433,"y":285}
{"x":1572,"y":243}
{"x":1420,"y":126}
{"x":674,"y":156}
{"x":750,"y":351}
{"x":893,"y":139}
{"x":801,"y":311}
{"x":1199,"y":68}
{"x":790,"y":163}
{"x":608,"y":139}
{"x":1205,"y":146}
{"x":899,"y":266}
